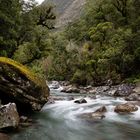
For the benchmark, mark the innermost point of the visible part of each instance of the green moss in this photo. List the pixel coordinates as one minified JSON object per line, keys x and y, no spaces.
{"x":22,"y":69}
{"x":133,"y":79}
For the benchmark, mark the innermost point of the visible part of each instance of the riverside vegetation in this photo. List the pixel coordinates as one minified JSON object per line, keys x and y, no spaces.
{"x":99,"y":47}
{"x":102,"y":44}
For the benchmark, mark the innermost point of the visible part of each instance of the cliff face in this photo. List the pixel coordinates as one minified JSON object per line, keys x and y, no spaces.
{"x":67,"y":10}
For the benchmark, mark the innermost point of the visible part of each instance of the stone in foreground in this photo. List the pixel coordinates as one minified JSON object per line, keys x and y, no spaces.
{"x":126,"y":108}
{"x":81,"y":101}
{"x":21,"y":86}
{"x":9,"y":117}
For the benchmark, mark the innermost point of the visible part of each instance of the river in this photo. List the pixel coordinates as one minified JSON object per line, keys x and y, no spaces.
{"x":60,"y":121}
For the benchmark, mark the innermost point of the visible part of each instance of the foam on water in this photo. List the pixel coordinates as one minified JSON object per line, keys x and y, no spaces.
{"x":70,"y":110}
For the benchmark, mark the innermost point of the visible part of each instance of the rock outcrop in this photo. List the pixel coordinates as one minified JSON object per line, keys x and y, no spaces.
{"x":126,"y":108}
{"x":21,"y":86}
{"x":9,"y":117}
{"x":80,"y":101}
{"x":67,"y":10}
{"x":123,"y":90}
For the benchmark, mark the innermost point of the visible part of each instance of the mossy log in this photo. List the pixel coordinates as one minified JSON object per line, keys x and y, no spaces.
{"x":18,"y":84}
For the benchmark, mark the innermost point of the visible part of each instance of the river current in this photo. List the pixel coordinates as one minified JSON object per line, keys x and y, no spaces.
{"x":61,"y":121}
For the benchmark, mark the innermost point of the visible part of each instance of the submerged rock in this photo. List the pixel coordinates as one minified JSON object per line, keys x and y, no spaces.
{"x":101,"y":110}
{"x":9,"y":117}
{"x":81,"y":101}
{"x":97,"y":115}
{"x":21,"y":86}
{"x":25,"y":121}
{"x":70,"y":98}
{"x":126,"y":108}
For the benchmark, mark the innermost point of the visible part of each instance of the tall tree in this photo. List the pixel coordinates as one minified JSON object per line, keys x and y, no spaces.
{"x":9,"y":26}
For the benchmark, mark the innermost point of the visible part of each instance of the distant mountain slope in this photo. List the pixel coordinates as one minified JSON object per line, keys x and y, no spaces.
{"x":67,"y":10}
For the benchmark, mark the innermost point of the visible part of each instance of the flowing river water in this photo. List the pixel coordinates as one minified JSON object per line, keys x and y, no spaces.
{"x":60,"y":121}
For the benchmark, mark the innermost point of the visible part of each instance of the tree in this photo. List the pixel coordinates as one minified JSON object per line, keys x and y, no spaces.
{"x":9,"y":26}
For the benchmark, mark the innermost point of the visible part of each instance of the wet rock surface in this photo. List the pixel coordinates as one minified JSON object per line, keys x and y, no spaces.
{"x":97,"y":115}
{"x":126,"y":108}
{"x":9,"y":117}
{"x":123,"y":90}
{"x":133,"y":97}
{"x":80,"y":101}
{"x":70,"y":89}
{"x":25,"y":122}
{"x":18,"y":85}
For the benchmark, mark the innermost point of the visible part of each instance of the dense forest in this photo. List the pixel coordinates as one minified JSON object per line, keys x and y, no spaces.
{"x":101,"y":45}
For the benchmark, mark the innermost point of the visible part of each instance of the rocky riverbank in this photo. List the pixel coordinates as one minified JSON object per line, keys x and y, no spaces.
{"x":21,"y":93}
{"x":130,"y":92}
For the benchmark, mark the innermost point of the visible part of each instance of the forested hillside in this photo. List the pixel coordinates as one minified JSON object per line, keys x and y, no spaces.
{"x":103,"y":44}
{"x":23,"y":29}
{"x":100,"y":45}
{"x":66,"y":10}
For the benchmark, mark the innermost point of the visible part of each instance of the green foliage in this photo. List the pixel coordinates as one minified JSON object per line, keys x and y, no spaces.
{"x":9,"y":25}
{"x":103,"y":44}
{"x":108,"y":38}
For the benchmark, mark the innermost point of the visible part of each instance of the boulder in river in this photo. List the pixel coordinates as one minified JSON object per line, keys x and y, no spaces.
{"x":70,"y":89}
{"x":80,"y":101}
{"x":123,"y":90}
{"x":97,"y":115}
{"x":21,"y":86}
{"x":9,"y":117}
{"x":54,"y":85}
{"x":126,"y":108}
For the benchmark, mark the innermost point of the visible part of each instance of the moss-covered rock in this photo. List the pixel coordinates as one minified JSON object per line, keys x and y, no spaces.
{"x":20,"y":85}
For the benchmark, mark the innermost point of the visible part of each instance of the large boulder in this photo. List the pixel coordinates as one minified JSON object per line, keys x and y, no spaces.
{"x":123,"y":90}
{"x":126,"y":108}
{"x":9,"y":117}
{"x":21,"y":86}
